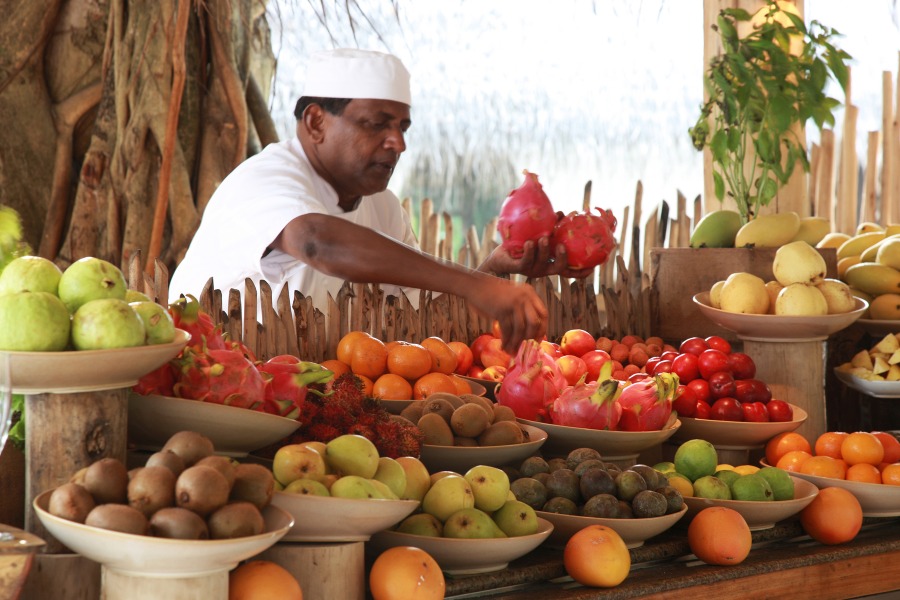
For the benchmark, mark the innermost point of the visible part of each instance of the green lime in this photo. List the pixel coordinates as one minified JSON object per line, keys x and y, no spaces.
{"x":695,"y":459}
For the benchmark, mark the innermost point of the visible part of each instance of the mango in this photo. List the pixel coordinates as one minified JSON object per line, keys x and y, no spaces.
{"x":892,"y":229}
{"x":869,"y":254}
{"x":716,"y":229}
{"x":847,"y":262}
{"x":885,"y":307}
{"x":859,"y":243}
{"x":768,"y":231}
{"x":888,"y":253}
{"x":812,"y":230}
{"x":873,"y":278}
{"x":833,"y":240}
{"x":867,"y":227}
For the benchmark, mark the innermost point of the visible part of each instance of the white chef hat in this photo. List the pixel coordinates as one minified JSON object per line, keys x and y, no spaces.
{"x":350,"y":73}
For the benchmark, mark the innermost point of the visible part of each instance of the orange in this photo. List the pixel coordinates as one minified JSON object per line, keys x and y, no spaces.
{"x":368,"y":385}
{"x":833,"y":517}
{"x":262,"y":580}
{"x":369,"y":357}
{"x":783,"y":443}
{"x":596,"y":556}
{"x":335,"y":366}
{"x":863,"y":472}
{"x":406,"y":573}
{"x":719,"y":536}
{"x":347,"y":343}
{"x":408,"y":360}
{"x":823,"y":466}
{"x":443,"y":358}
{"x":392,"y":387}
{"x":792,"y":460}
{"x":829,"y":443}
{"x":862,"y":447}
{"x":890,"y":474}
{"x":464,"y":356}
{"x":891,"y":446}
{"x":432,"y":383}
{"x":462,"y":386}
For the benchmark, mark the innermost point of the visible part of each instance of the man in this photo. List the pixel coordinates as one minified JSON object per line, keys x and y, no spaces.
{"x":314,"y":211}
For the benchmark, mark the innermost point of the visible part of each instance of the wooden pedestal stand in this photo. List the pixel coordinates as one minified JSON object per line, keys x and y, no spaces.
{"x":333,"y":570}
{"x":123,"y":586}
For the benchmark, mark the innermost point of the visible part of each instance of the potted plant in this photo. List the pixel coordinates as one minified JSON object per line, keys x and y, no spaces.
{"x":761,"y":89}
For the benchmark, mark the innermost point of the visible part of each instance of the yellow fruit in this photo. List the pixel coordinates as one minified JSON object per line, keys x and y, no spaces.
{"x":716,"y":229}
{"x":874,"y":279}
{"x":845,"y":263}
{"x":768,"y":231}
{"x":837,"y":296}
{"x":715,"y":294}
{"x":812,"y":230}
{"x":869,"y":254}
{"x":746,"y":469}
{"x":801,"y":300}
{"x":798,"y":262}
{"x":833,"y":240}
{"x":868,"y":227}
{"x":885,"y":307}
{"x":858,"y":243}
{"x":259,"y":579}
{"x":889,"y":252}
{"x":682,"y":484}
{"x":745,"y":293}
{"x":892,"y":229}
{"x":773,"y":287}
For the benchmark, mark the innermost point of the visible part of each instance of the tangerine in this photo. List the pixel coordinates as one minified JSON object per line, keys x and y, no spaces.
{"x":464,"y":356}
{"x":891,"y":446}
{"x":369,"y":357}
{"x":833,"y":517}
{"x":432,"y":383}
{"x":829,"y":443}
{"x":890,"y":474}
{"x":443,"y":358}
{"x":462,"y":386}
{"x":368,"y":385}
{"x":263,"y":580}
{"x":347,"y":343}
{"x":823,"y":466}
{"x":719,"y":536}
{"x":783,"y":443}
{"x":863,"y":472}
{"x":862,"y":447}
{"x":792,"y":460}
{"x":335,"y":366}
{"x":597,"y":556}
{"x":406,"y":573}
{"x":408,"y":360}
{"x":392,"y":387}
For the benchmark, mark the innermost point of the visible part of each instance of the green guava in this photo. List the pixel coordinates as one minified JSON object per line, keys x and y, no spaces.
{"x":30,"y":274}
{"x":89,"y":279}
{"x":135,"y":296}
{"x":158,"y":324}
{"x":106,"y":323}
{"x":33,"y":322}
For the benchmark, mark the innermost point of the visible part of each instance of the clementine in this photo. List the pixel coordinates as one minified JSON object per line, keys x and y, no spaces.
{"x":408,"y":360}
{"x":263,"y":580}
{"x":406,"y":573}
{"x":891,"y":446}
{"x":335,"y":366}
{"x":792,"y":460}
{"x":431,"y":383}
{"x":347,"y":344}
{"x":464,"y":356}
{"x":890,"y":474}
{"x":863,"y":472}
{"x":392,"y":387}
{"x":443,"y":358}
{"x":823,"y":466}
{"x":829,"y":443}
{"x":833,"y":517}
{"x":862,"y":447}
{"x":783,"y":443}
{"x":462,"y":386}
{"x":719,"y":536}
{"x":369,"y":357}
{"x":368,"y":385}
{"x":597,"y":556}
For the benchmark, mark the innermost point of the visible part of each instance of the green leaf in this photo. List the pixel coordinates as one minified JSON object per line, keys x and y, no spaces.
{"x":767,"y":190}
{"x":718,"y":185}
{"x":781,"y":113}
{"x":718,"y":145}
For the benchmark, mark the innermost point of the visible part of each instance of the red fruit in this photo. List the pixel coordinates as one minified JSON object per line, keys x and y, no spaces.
{"x":526,"y":214}
{"x":721,"y":384}
{"x":646,"y":405}
{"x":718,"y":343}
{"x":187,"y":315}
{"x":588,"y":238}
{"x":780,"y":411}
{"x":712,"y":361}
{"x":594,"y":360}
{"x":531,"y":383}
{"x":650,"y":365}
{"x":752,"y":390}
{"x":693,"y":345}
{"x":685,"y":366}
{"x":220,"y":376}
{"x":493,"y":354}
{"x":726,"y":409}
{"x":701,"y":389}
{"x":703,"y":410}
{"x":287,"y":378}
{"x":685,"y":402}
{"x":663,"y":366}
{"x":478,"y":345}
{"x":741,"y":365}
{"x":668,"y":355}
{"x":159,"y":381}
{"x":495,"y":373}
{"x":755,"y":412}
{"x":572,"y":368}
{"x":551,"y":348}
{"x":476,"y":372}
{"x":577,"y":342}
{"x":639,"y":376}
{"x":589,"y":405}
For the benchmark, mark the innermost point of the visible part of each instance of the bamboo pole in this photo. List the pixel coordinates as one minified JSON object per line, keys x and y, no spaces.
{"x":848,"y":195}
{"x":887,"y":144}
{"x":870,"y":191}
{"x":825,"y":184}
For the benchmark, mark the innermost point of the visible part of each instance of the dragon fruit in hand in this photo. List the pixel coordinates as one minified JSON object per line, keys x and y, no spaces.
{"x":526,"y":214}
{"x":532,"y":382}
{"x":647,"y":404}
{"x":588,"y":238}
{"x":589,"y":405}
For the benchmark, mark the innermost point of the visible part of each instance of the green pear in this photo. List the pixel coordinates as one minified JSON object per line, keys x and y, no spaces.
{"x":441,"y":474}
{"x":490,"y":486}
{"x":296,"y":461}
{"x":382,"y":490}
{"x":469,"y":523}
{"x":729,"y":476}
{"x":418,"y":480}
{"x":448,"y":495}
{"x":33,"y":322}
{"x":352,"y":454}
{"x":392,"y":474}
{"x":30,"y":274}
{"x":515,"y":518}
{"x":90,"y":278}
{"x":106,"y":323}
{"x":135,"y":296}
{"x":354,"y":486}
{"x":307,"y":487}
{"x":780,"y":481}
{"x":158,"y":324}
{"x":421,"y":524}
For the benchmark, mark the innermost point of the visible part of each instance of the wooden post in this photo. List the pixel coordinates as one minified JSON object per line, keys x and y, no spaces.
{"x":333,"y":570}
{"x":117,"y":585}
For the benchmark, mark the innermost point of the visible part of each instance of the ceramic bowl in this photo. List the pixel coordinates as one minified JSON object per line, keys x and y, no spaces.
{"x":634,"y":532}
{"x":467,"y":556}
{"x":879,"y":327}
{"x":736,"y":434}
{"x":89,"y":370}
{"x":489,"y":385}
{"x":876,"y":389}
{"x":761,"y":515}
{"x":152,"y":420}
{"x":144,"y":555}
{"x":777,"y":328}
{"x":330,"y":519}
{"x":463,"y":458}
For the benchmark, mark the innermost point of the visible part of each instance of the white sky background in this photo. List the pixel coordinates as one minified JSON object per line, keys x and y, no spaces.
{"x":572,"y":90}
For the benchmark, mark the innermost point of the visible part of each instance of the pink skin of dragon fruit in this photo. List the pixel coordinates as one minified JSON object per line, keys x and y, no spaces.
{"x":647,"y":404}
{"x":588,"y":405}
{"x":526,"y":214}
{"x":532,"y":382}
{"x":287,"y":378}
{"x":219,"y":376}
{"x":588,"y":238}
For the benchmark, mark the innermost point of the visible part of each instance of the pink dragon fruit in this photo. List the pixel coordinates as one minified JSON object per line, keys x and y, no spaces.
{"x":647,"y":404}
{"x":187,"y":315}
{"x":287,"y":378}
{"x":589,"y":405}
{"x":588,"y":238}
{"x":532,"y":382}
{"x":526,"y":214}
{"x":219,"y":376}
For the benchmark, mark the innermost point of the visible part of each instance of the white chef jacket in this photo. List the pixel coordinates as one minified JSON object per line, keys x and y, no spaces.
{"x":251,"y":207}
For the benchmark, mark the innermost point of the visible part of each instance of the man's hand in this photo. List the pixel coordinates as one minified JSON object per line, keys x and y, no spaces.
{"x":538,"y":260}
{"x":516,"y":307}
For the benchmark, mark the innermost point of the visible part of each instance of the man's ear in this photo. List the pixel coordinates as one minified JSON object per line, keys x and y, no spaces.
{"x":313,"y":121}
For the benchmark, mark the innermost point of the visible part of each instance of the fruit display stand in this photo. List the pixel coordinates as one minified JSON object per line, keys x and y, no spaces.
{"x":326,"y":570}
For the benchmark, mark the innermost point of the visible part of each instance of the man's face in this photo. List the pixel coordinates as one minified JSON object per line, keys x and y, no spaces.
{"x":361,"y":147}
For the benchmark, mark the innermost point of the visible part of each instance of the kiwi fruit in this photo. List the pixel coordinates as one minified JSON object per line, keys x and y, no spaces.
{"x":151,"y":488}
{"x":453,"y":399}
{"x":71,"y":501}
{"x":224,"y":465}
{"x":402,"y":420}
{"x":502,"y":433}
{"x":413,"y":410}
{"x":253,"y":483}
{"x":435,"y":430}
{"x":503,"y":413}
{"x":178,"y":524}
{"x":168,"y":459}
{"x":202,"y":489}
{"x":118,"y":517}
{"x":190,"y":446}
{"x":107,"y":481}
{"x":437,"y":406}
{"x":238,"y":519}
{"x":484,"y":403}
{"x":470,"y":420}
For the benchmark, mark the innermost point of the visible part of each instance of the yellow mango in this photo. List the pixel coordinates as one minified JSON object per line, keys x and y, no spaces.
{"x":885,"y":307}
{"x":859,"y":243}
{"x":868,"y":226}
{"x":845,"y":263}
{"x":812,"y":230}
{"x":873,"y":278}
{"x":768,"y":231}
{"x":888,"y":253}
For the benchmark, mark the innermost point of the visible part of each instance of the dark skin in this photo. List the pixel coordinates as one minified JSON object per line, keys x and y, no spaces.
{"x":356,"y":153}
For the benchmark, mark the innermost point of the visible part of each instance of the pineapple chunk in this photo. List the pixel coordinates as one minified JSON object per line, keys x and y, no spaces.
{"x":881,"y":366}
{"x":862,"y":359}
{"x":895,"y":358}
{"x":893,"y":373}
{"x":889,"y":344}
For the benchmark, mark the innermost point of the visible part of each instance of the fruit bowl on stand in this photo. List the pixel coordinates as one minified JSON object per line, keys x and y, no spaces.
{"x":72,"y":371}
{"x":147,"y":556}
{"x":874,"y":388}
{"x":467,"y":556}
{"x":760,"y":514}
{"x":879,"y":327}
{"x":634,"y":532}
{"x":779,"y":328}
{"x":332,"y":519}
{"x":463,"y":458}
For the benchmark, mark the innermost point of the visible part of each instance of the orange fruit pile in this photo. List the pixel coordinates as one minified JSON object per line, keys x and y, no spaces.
{"x":865,"y":456}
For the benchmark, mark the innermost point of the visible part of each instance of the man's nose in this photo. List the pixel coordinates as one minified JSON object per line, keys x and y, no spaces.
{"x":396,"y":141}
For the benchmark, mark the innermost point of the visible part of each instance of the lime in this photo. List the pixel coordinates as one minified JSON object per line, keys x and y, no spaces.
{"x":728,"y":476}
{"x":780,"y":481}
{"x":695,"y":459}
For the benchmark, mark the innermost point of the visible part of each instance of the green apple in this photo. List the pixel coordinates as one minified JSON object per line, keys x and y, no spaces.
{"x":307,"y":487}
{"x":106,"y":323}
{"x":392,"y":474}
{"x":515,"y":518}
{"x":158,"y":324}
{"x":354,"y":486}
{"x":448,"y":495}
{"x":33,"y":322}
{"x":295,"y":461}
{"x":418,"y":479}
{"x":352,"y":454}
{"x":30,"y":274}
{"x":780,"y":481}
{"x":490,"y":486}
{"x":469,"y":523}
{"x":90,"y":278}
{"x":421,"y":524}
{"x":383,"y":491}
